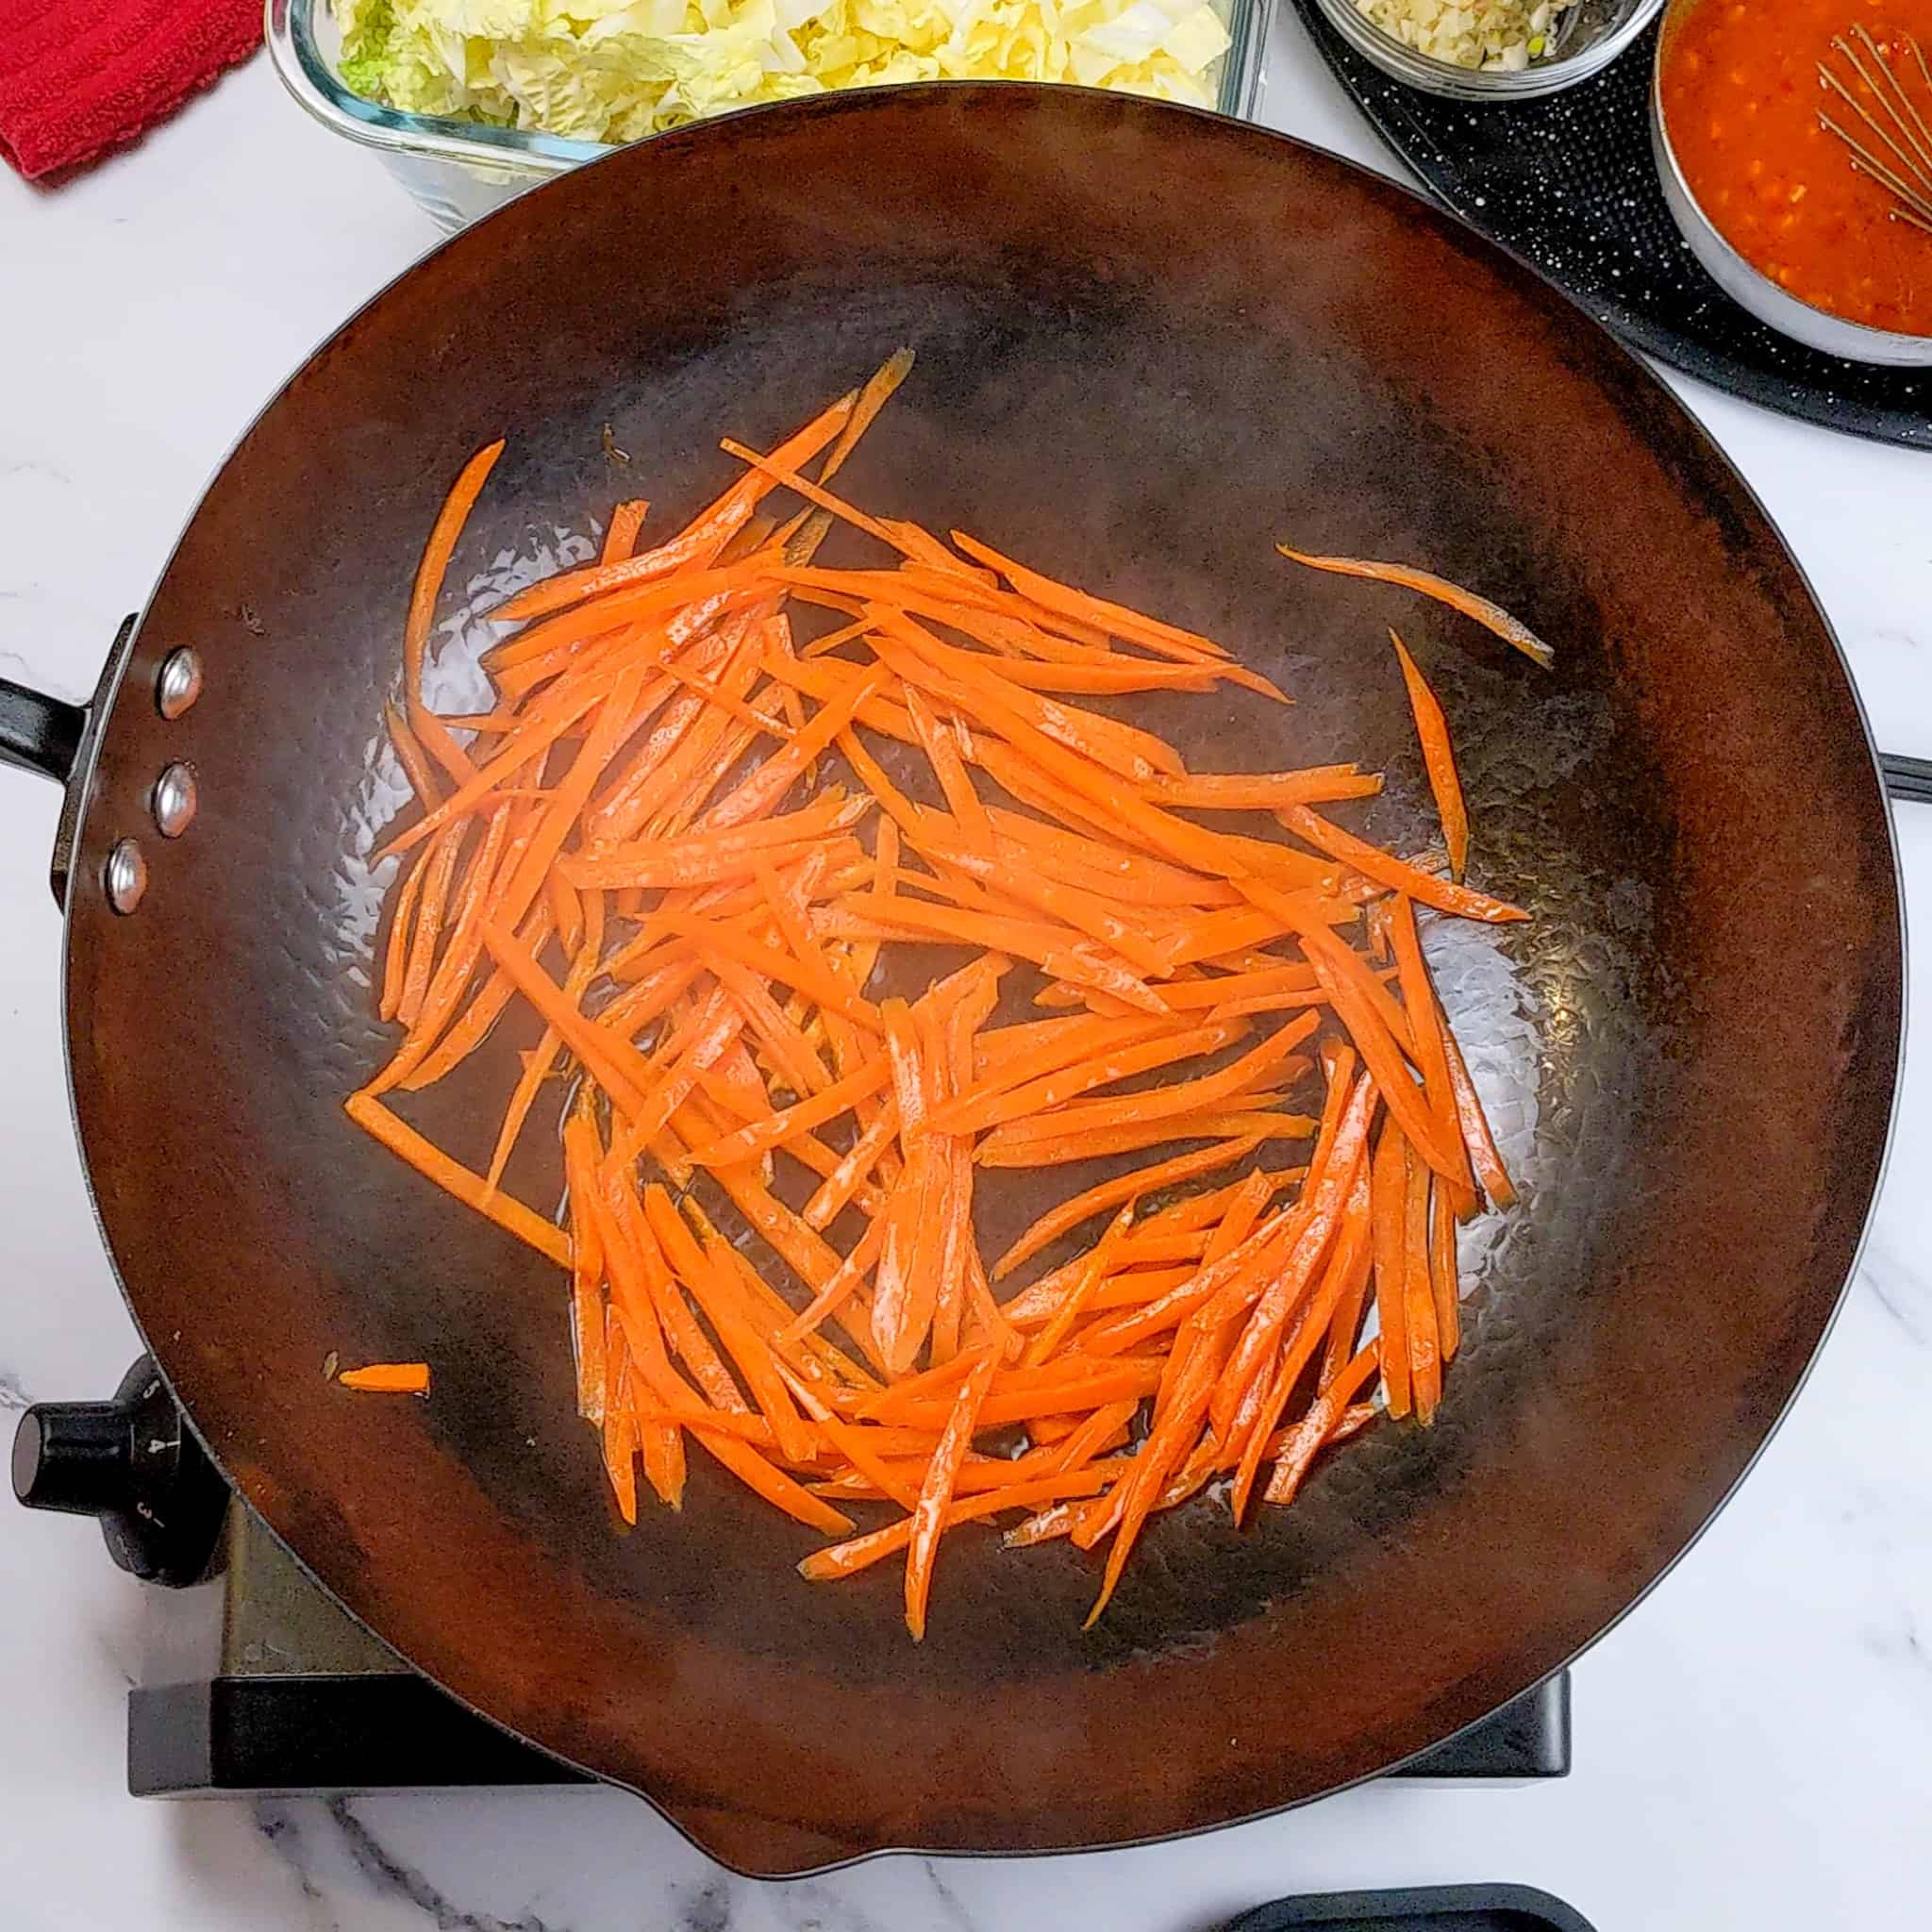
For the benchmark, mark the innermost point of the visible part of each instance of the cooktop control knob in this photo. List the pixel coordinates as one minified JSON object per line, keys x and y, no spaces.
{"x":134,"y":1464}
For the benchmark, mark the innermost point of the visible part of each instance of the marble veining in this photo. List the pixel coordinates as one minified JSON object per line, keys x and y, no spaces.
{"x":1753,"y":1742}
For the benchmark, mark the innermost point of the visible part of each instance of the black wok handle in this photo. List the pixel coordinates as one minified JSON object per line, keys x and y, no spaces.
{"x":49,"y":737}
{"x":39,"y":733}
{"x":1906,"y":780}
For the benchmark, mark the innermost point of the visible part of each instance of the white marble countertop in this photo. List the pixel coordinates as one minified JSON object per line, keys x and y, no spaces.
{"x":1754,"y":1744}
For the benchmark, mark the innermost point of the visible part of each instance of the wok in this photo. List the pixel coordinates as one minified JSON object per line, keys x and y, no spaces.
{"x":1150,"y":343}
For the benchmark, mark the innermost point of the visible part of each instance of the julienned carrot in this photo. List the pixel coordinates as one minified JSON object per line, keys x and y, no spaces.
{"x":936,"y":1493}
{"x":1491,"y":617}
{"x":422,"y":613}
{"x":671,"y":788}
{"x":1489,"y":1166}
{"x":454,"y":1178}
{"x":1438,"y":758}
{"x":1444,"y":894}
{"x":1389,"y":1185}
{"x":388,"y":1378}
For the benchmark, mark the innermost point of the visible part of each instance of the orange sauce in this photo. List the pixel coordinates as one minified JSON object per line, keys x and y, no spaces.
{"x":1741,"y":98}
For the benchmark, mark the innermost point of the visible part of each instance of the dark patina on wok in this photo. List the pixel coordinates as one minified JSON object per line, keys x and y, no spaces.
{"x":1166,"y":341}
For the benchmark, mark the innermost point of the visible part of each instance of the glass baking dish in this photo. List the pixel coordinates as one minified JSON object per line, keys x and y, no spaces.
{"x":456,"y":171}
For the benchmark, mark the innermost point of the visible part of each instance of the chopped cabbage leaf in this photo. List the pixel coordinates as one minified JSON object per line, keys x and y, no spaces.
{"x":618,"y":70}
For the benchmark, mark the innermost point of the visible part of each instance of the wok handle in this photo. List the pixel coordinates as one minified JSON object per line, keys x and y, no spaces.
{"x":1906,"y":780}
{"x":39,"y":733}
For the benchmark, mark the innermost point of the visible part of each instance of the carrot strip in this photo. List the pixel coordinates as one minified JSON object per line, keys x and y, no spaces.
{"x":1443,"y":1285}
{"x":1418,"y":1296}
{"x":437,"y":553}
{"x":1263,"y":790}
{"x":621,"y":535}
{"x":619,"y":1423}
{"x":1492,"y":617}
{"x":1386,"y":870}
{"x":1389,"y":1191}
{"x":388,"y":1378}
{"x":936,"y":1493}
{"x":580,"y":1156}
{"x":1490,"y":1170}
{"x":1438,"y":760}
{"x":454,"y":1178}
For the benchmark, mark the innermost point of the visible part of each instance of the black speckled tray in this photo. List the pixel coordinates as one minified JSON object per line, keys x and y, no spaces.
{"x":1568,"y":184}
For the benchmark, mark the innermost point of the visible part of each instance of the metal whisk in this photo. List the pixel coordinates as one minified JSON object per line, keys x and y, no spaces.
{"x":1895,"y":149}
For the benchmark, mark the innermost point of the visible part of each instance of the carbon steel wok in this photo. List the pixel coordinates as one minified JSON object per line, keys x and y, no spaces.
{"x":1150,"y":344}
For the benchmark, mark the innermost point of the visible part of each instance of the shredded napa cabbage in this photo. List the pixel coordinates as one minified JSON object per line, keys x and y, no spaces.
{"x":617,"y":70}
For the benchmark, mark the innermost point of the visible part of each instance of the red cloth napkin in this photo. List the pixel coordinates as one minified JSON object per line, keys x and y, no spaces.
{"x":80,"y":77}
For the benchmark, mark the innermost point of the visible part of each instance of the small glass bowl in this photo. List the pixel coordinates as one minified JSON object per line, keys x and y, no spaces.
{"x":1589,"y":36}
{"x":1747,"y":285}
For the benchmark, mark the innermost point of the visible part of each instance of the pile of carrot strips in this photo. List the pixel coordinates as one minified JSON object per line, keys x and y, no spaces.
{"x":677,"y":839}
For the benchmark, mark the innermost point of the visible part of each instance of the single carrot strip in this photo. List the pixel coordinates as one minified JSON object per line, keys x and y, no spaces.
{"x":437,"y":553}
{"x":1490,"y":1170}
{"x":388,"y":1378}
{"x":581,"y":1153}
{"x":1262,"y":791}
{"x":942,"y":752}
{"x":1323,"y":1424}
{"x":1167,"y":1442}
{"x":1443,"y":1285}
{"x":936,"y":1493}
{"x":1240,"y":1271}
{"x":1396,"y":873}
{"x":1492,"y":617}
{"x":1418,"y":1297}
{"x":620,"y":1429}
{"x":1438,"y":760}
{"x":1345,"y":1324}
{"x":1116,"y":1382}
{"x":621,"y":535}
{"x":1388,"y":1194}
{"x":454,"y":1178}
{"x":632,"y":1304}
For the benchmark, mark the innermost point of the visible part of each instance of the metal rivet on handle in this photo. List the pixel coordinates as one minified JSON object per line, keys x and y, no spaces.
{"x":179,"y":683}
{"x":126,"y":876}
{"x":175,"y":801}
